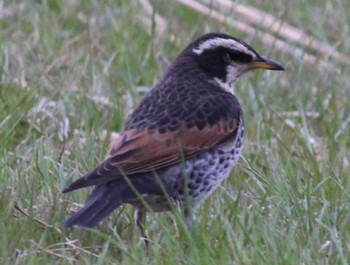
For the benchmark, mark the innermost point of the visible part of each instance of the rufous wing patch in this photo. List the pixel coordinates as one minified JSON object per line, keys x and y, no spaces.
{"x":141,"y":151}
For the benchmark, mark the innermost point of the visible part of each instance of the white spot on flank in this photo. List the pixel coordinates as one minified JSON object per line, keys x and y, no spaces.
{"x":221,"y":42}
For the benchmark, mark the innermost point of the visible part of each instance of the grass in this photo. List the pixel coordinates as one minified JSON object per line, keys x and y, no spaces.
{"x":70,"y":73}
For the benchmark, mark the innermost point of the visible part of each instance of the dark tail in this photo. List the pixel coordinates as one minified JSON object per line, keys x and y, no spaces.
{"x":106,"y":197}
{"x":101,"y":202}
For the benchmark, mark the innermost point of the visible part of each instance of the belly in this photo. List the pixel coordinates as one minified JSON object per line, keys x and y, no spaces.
{"x":204,"y":175}
{"x":196,"y":179}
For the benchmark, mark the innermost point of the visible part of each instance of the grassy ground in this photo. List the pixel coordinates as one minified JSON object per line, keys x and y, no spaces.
{"x":70,"y":73}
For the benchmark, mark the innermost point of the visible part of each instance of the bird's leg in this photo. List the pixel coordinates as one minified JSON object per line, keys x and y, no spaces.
{"x":188,"y":218}
{"x":140,"y":219}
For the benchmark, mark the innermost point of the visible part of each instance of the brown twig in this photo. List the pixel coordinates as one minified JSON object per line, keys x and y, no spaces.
{"x":266,"y":38}
{"x":42,"y":223}
{"x":268,"y":22}
{"x":160,"y":22}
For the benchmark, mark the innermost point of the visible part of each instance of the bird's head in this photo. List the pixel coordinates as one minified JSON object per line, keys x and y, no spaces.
{"x":225,"y":58}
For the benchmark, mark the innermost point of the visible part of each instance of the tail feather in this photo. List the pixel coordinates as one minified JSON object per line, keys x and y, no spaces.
{"x":108,"y":196}
{"x":102,"y":201}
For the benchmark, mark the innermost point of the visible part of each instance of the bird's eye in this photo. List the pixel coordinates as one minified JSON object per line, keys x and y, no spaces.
{"x":240,"y":57}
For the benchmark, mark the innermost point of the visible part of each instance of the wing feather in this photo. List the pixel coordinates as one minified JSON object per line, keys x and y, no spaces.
{"x":143,"y":151}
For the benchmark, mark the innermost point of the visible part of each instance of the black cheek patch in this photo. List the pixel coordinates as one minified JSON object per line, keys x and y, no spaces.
{"x":213,"y":63}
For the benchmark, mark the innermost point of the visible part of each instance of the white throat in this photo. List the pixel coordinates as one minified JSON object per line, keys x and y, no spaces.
{"x":224,"y":85}
{"x":232,"y":73}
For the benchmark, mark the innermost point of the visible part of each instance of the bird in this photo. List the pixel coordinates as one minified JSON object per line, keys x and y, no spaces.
{"x":181,"y":141}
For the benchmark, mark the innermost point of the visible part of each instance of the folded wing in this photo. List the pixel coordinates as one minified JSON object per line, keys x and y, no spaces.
{"x":136,"y":152}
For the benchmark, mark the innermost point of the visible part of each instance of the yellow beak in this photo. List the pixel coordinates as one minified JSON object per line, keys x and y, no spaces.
{"x":265,"y":63}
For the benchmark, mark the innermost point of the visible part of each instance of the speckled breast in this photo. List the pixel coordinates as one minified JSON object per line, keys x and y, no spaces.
{"x":195,"y":179}
{"x":206,"y":172}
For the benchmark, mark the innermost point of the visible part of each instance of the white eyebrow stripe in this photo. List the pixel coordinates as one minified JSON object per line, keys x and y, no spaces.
{"x":221,"y":42}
